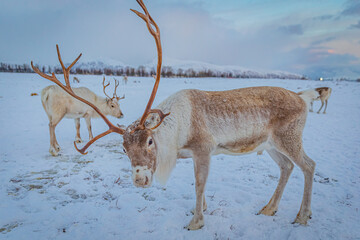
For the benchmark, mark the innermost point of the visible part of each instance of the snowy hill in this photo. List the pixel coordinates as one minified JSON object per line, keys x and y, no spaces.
{"x":175,"y":67}
{"x":170,"y":68}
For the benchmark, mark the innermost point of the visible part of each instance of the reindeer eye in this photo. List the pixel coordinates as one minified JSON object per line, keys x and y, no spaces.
{"x":150,"y":141}
{"x":124,"y":150}
{"x":112,"y":105}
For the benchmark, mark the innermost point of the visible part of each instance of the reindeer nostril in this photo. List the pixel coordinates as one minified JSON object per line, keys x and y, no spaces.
{"x":146,"y":180}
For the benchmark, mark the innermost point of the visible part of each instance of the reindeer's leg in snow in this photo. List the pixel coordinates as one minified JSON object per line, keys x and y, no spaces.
{"x":290,"y":144}
{"x":77,"y":126}
{"x":204,"y":205}
{"x":88,"y":124}
{"x":311,"y":106}
{"x":54,"y":146}
{"x":322,"y":104}
{"x":286,"y":167}
{"x":325,"y":107}
{"x":307,"y":166}
{"x":201,"y":170}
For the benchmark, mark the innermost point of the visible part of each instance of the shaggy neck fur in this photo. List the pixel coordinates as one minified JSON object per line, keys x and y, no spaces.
{"x":172,"y":134}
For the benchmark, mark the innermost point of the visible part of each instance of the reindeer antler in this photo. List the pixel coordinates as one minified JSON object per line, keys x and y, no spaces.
{"x":69,"y":90}
{"x":156,"y":34}
{"x":115,"y":94}
{"x":105,"y":86}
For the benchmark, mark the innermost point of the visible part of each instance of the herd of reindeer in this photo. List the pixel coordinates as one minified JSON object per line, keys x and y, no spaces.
{"x":195,"y":124}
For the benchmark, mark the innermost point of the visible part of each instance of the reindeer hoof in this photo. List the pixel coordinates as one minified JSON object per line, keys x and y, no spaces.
{"x":267,"y":211}
{"x":53,"y":152}
{"x":302,"y":219}
{"x":195,"y":224}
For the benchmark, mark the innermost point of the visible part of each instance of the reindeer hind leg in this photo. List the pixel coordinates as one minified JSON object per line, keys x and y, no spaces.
{"x":77,"y":126}
{"x":290,"y":144}
{"x":326,"y":101}
{"x":322,"y":104}
{"x":286,"y":167}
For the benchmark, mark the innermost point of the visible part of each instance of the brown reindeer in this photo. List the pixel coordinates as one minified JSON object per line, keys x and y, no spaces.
{"x":324,"y":94}
{"x":205,"y":123}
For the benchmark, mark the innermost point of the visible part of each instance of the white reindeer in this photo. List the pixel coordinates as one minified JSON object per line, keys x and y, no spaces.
{"x":203,"y":123}
{"x":59,"y":104}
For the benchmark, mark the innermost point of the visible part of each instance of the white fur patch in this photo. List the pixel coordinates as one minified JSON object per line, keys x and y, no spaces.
{"x":141,"y":176}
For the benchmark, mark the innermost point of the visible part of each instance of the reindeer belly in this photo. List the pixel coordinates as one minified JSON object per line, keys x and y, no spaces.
{"x":242,"y":146}
{"x":75,"y":115}
{"x":243,"y":139}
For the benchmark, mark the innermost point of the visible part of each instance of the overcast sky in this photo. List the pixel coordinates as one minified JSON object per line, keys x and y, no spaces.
{"x":304,"y":36}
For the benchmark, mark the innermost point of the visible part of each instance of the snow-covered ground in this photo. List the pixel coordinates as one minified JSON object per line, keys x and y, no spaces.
{"x":92,"y":197}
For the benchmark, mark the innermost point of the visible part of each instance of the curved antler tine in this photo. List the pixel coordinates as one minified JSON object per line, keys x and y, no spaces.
{"x":119,"y":98}
{"x":82,"y":150}
{"x":75,"y":61}
{"x":161,"y":115}
{"x":150,"y":19}
{"x":146,"y":18}
{"x":66,"y":71}
{"x":44,"y":75}
{"x":116,"y":85}
{"x":105,"y":86}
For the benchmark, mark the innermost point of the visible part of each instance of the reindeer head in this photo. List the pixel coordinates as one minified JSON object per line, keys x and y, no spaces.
{"x":140,"y":146}
{"x":139,"y":143}
{"x":113,"y":106}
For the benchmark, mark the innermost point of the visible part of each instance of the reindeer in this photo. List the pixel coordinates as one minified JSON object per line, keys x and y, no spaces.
{"x":324,"y":94}
{"x":58,"y":104}
{"x":76,"y":80}
{"x":125,"y":79}
{"x":200,"y":124}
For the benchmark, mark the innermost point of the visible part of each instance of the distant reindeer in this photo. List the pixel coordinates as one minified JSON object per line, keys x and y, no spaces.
{"x":205,"y":123}
{"x":59,"y":104}
{"x":76,"y":80}
{"x":324,"y":93}
{"x":125,"y":79}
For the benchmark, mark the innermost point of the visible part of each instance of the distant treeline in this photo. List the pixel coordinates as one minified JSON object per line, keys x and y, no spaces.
{"x":141,"y":71}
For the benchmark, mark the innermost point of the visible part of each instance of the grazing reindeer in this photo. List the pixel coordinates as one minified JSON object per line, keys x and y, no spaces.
{"x":311,"y":94}
{"x":324,"y":93}
{"x":58,"y":104}
{"x":204,"y":123}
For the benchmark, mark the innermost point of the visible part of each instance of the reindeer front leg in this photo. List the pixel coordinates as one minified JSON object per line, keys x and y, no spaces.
{"x":77,"y":126}
{"x":88,"y":124}
{"x":201,"y":170}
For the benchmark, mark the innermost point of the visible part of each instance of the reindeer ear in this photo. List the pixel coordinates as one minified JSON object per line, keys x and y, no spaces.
{"x":152,"y":120}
